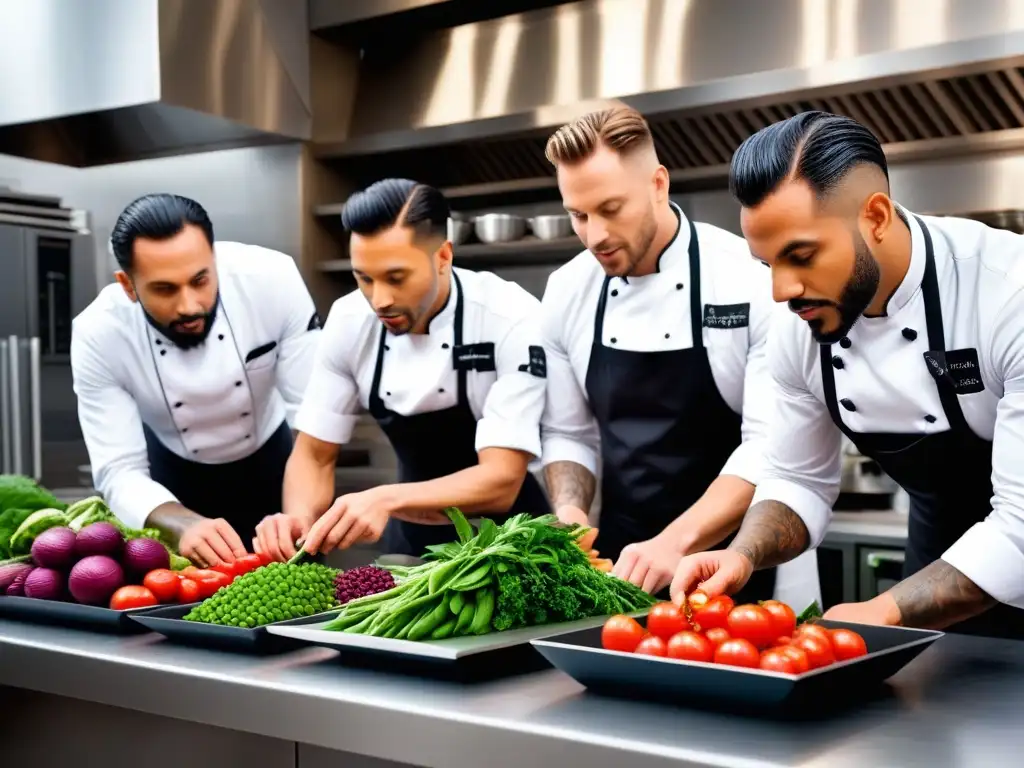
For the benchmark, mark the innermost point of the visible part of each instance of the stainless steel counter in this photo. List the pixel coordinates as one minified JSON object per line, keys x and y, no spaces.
{"x":958,"y":704}
{"x":874,"y":528}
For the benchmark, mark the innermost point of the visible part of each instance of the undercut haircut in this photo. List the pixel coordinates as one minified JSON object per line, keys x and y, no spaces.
{"x":817,"y":147}
{"x":397,"y":202}
{"x":159,"y":216}
{"x":621,"y":129}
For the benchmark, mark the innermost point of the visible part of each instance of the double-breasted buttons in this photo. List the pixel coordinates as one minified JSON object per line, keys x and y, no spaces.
{"x":847,"y":403}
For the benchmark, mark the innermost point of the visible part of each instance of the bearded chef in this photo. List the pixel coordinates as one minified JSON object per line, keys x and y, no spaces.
{"x":906,"y":335}
{"x":186,"y":371}
{"x":655,"y":338}
{"x":447,"y":361}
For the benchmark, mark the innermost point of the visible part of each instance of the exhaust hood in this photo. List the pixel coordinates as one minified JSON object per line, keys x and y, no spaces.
{"x":473,"y":106}
{"x":107,"y":81}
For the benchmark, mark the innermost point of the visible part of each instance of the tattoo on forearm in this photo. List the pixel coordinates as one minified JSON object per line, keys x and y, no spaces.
{"x":771,"y":534}
{"x":937,"y":596}
{"x":173,"y":519}
{"x":570,"y":484}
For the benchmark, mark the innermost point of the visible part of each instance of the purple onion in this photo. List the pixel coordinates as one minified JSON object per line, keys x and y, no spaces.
{"x":361,"y":582}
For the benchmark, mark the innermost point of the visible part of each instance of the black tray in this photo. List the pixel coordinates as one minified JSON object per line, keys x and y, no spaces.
{"x":689,"y":683}
{"x":71,"y":614}
{"x":168,"y":622}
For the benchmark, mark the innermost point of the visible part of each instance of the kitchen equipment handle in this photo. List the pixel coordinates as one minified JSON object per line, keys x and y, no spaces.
{"x":5,"y":410}
{"x":875,"y":559}
{"x":13,"y":353}
{"x":35,"y":373}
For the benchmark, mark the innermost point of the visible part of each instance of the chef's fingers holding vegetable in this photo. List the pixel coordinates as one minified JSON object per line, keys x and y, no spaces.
{"x":353,"y":518}
{"x":276,"y":536}
{"x":211,"y":541}
{"x":723,"y":571}
{"x":649,"y":564}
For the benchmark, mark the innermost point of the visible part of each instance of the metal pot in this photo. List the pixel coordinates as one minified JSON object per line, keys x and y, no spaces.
{"x":499,"y":227}
{"x":553,"y":227}
{"x":459,"y":230}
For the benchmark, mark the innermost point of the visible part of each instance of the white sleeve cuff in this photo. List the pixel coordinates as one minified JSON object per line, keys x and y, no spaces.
{"x":746,"y":462}
{"x":325,"y":425}
{"x":497,"y":433}
{"x":989,"y":558}
{"x":134,"y":499}
{"x":810,"y":507}
{"x":558,"y":448}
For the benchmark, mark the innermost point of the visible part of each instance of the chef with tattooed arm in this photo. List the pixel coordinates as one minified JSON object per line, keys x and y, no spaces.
{"x":906,"y":336}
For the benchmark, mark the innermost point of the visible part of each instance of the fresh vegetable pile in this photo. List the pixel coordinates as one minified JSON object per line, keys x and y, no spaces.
{"x":528,"y":571}
{"x":95,"y":566}
{"x":275,"y":592}
{"x":767,"y":636}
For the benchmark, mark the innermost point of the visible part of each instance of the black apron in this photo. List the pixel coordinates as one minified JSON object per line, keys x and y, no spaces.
{"x":665,"y":430}
{"x":242,"y":492}
{"x":435,"y":444}
{"x":947,"y":475}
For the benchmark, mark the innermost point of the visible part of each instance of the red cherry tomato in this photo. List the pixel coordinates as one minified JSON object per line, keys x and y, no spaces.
{"x":815,"y":630}
{"x":819,"y":652}
{"x":652,"y":645}
{"x":783,"y":640}
{"x":228,"y":569}
{"x":265,"y":559}
{"x":188,"y":591}
{"x":132,"y":597}
{"x":752,"y":622}
{"x":717,"y":636}
{"x":783,"y":617}
{"x":776,"y":660}
{"x":847,"y":644}
{"x":738,"y":653}
{"x":666,"y":620}
{"x":714,"y":613}
{"x":247,"y":563}
{"x":621,"y":633}
{"x":689,"y":646}
{"x":163,"y":583}
{"x":799,"y":657}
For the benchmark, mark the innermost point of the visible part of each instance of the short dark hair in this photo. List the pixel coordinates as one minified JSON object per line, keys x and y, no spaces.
{"x":818,"y":147}
{"x":159,"y":216}
{"x":383,"y":203}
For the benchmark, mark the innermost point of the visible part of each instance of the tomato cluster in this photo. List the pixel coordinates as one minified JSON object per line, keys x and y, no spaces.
{"x":763,"y":636}
{"x":189,"y":585}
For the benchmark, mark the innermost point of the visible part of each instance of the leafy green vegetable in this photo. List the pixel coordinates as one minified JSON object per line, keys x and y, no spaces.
{"x":812,"y":611}
{"x":32,"y":526}
{"x":10,"y":519}
{"x":528,"y":571}
{"x":95,"y":510}
{"x":20,"y":496}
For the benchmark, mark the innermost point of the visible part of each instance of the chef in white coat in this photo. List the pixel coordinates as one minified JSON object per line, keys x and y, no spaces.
{"x":906,"y":335}
{"x":658,"y":381}
{"x":450,"y":364}
{"x":186,"y":371}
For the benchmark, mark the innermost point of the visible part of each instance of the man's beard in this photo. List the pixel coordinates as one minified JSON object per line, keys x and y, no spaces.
{"x":635,"y":252}
{"x":183,"y":339}
{"x":857,"y":296}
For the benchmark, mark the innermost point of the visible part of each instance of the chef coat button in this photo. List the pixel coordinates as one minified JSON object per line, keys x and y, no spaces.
{"x":244,"y":414}
{"x":615,"y":292}
{"x":238,"y":383}
{"x":440,"y":389}
{"x":184,"y":430}
{"x":220,"y":336}
{"x":837,"y":362}
{"x":668,"y":335}
{"x":248,"y":436}
{"x":158,"y":342}
{"x":196,"y":451}
{"x":930,"y":419}
{"x":387,"y":348}
{"x":613,"y":340}
{"x":445,"y":345}
{"x":178,"y":404}
{"x":845,"y":343}
{"x":388,"y":394}
{"x":909,"y":334}
{"x":163,"y":351}
{"x":847,"y":403}
{"x":679,"y":286}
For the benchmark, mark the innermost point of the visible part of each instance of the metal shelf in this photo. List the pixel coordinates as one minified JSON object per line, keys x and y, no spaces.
{"x":526,"y":252}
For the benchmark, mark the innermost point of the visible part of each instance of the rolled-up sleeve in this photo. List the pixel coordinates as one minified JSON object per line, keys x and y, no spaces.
{"x":298,"y":342}
{"x":748,"y":461}
{"x":991,"y":553}
{"x":515,"y":402}
{"x":803,"y":456}
{"x":330,"y":406}
{"x":568,"y":428}
{"x":112,"y":429}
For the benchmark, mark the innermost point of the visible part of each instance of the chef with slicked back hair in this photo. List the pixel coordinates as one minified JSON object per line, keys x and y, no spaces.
{"x":906,"y":334}
{"x":450,"y":364}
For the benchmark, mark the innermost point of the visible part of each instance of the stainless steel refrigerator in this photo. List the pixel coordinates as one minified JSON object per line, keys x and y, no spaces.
{"x":47,"y":276}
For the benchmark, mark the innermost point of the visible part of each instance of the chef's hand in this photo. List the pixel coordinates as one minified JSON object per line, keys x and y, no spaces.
{"x":721,"y":571}
{"x":353,"y":518}
{"x":276,"y":536}
{"x":211,"y":541}
{"x":574,"y":515}
{"x":649,"y":564}
{"x":881,"y":610}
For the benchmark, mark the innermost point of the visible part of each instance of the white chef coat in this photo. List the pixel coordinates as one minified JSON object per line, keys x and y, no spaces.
{"x":980,"y":273}
{"x":652,"y":314}
{"x":216,"y":403}
{"x":418,"y":375}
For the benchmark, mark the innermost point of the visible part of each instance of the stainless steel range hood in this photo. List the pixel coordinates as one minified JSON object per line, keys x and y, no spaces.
{"x":104,"y":81}
{"x":927,"y":76}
